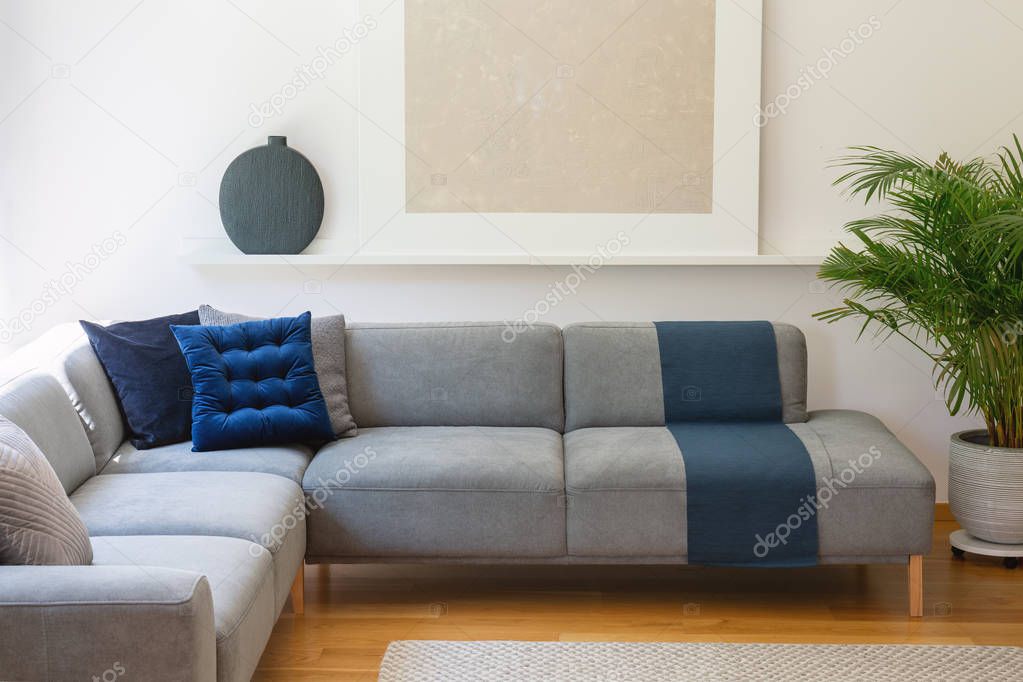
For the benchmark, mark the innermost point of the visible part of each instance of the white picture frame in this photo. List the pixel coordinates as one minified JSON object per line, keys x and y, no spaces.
{"x":389,"y":234}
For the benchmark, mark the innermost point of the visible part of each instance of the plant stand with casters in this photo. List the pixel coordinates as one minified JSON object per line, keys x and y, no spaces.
{"x":963,"y":543}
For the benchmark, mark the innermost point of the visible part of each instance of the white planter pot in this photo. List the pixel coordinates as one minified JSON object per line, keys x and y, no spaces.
{"x":985,"y":488}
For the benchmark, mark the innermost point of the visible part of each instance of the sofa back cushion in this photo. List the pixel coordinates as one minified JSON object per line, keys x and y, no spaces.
{"x":65,"y":352}
{"x":613,"y":375}
{"x":92,"y":395}
{"x":455,"y":374}
{"x":37,"y":404}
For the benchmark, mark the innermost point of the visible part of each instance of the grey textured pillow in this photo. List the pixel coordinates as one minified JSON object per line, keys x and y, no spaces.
{"x":38,"y":524}
{"x":328,"y":356}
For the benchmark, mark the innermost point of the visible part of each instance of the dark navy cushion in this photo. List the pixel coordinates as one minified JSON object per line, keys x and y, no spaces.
{"x":149,"y":376}
{"x":255,"y":384}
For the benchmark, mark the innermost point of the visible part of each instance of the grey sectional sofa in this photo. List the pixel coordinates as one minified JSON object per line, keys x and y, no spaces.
{"x":474,"y":445}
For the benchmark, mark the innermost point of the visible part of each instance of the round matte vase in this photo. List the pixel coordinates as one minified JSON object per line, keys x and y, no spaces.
{"x":985,"y":488}
{"x":271,"y":200}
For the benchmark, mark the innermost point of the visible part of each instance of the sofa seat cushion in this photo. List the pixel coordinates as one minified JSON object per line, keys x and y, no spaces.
{"x":880,"y":497}
{"x":261,"y":508}
{"x":289,"y":461}
{"x":240,"y":575}
{"x":436,"y":491}
{"x":626,"y":491}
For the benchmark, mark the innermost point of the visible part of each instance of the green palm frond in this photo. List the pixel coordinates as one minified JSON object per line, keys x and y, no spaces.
{"x":942,"y":269}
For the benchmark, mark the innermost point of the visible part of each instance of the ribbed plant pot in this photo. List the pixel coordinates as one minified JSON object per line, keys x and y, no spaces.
{"x":985,"y":488}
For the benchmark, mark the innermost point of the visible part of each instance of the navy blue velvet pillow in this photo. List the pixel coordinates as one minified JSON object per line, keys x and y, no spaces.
{"x":149,"y":376}
{"x":255,"y":384}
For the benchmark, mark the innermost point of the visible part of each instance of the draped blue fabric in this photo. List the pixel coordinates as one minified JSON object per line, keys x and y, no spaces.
{"x":750,"y":484}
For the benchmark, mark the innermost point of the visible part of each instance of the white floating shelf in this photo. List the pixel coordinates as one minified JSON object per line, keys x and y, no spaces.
{"x":213,"y":252}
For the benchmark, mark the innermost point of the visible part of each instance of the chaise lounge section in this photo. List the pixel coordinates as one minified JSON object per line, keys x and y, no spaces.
{"x":626,"y":480}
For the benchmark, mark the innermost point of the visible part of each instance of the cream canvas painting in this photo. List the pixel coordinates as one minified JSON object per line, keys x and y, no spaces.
{"x":538,"y":131}
{"x":559,"y":106}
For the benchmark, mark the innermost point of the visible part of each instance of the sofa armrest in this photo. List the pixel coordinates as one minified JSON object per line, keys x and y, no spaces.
{"x":105,"y":622}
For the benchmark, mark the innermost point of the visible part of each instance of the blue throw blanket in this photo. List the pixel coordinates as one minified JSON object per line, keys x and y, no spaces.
{"x":750,"y":484}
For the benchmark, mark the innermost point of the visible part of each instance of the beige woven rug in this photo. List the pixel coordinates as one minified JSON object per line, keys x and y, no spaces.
{"x":425,"y":661}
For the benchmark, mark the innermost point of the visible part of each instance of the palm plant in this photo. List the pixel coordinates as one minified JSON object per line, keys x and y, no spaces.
{"x":944,"y":270}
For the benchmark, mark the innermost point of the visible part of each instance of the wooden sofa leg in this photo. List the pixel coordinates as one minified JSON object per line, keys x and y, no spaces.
{"x":298,"y":592}
{"x":916,"y":586}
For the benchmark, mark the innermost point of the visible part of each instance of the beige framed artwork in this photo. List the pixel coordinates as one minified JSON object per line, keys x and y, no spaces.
{"x":538,"y":131}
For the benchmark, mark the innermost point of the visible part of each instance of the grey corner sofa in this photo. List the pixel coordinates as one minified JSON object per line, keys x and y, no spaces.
{"x":475,"y":446}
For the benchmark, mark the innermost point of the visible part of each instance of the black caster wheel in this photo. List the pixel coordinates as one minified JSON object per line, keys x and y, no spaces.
{"x":1011,"y":563}
{"x":958,"y":553}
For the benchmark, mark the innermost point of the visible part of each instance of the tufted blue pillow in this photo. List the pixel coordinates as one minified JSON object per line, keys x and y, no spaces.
{"x":254,"y":384}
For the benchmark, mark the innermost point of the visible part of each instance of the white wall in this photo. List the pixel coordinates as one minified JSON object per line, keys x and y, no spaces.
{"x":117,"y":119}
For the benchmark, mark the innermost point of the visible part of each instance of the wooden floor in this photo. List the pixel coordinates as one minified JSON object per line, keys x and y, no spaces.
{"x":352,"y":612}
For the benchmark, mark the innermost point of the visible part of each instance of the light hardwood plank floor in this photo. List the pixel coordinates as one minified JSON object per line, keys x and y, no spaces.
{"x":353,"y":612}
